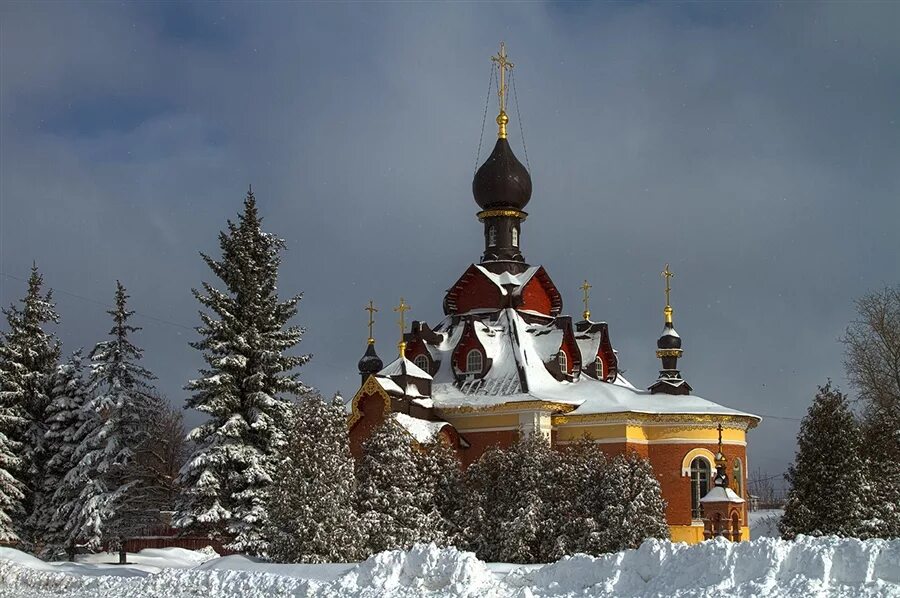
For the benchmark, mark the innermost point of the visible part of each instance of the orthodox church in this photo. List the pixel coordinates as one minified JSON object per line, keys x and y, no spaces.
{"x":505,"y":360}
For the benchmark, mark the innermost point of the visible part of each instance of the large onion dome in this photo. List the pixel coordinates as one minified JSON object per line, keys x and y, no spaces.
{"x":502,"y":181}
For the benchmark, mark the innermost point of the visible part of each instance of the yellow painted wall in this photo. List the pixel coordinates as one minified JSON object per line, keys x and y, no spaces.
{"x":692,"y":534}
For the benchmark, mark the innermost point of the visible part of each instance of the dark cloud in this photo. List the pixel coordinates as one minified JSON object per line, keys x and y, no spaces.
{"x":755,"y":148}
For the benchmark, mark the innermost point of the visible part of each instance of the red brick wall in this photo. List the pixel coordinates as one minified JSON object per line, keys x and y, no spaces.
{"x":372,"y":408}
{"x":676,"y":489}
{"x":481,"y":441}
{"x":467,"y":342}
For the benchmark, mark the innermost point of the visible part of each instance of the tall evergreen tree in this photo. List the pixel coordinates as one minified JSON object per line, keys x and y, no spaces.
{"x":508,"y":494}
{"x":392,"y":493}
{"x":28,"y":359}
{"x":68,"y":417}
{"x":829,"y":482}
{"x":245,"y":338}
{"x":311,"y":503}
{"x":112,"y":501}
{"x":444,"y":487}
{"x":634,"y":509}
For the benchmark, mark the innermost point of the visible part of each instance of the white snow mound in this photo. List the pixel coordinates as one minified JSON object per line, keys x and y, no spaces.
{"x":770,"y":567}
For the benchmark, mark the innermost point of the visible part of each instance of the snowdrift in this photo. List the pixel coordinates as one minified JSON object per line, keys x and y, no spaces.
{"x":817,"y":567}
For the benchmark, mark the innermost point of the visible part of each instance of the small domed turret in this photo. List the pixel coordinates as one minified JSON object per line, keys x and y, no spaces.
{"x":370,"y":363}
{"x":668,"y":350}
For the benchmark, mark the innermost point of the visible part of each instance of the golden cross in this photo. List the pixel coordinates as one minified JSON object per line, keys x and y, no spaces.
{"x":585,"y":288}
{"x":503,"y":65}
{"x":667,"y":274}
{"x":371,"y":309}
{"x":402,"y":308}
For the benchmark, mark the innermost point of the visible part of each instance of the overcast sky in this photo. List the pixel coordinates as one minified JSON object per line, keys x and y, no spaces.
{"x":754,"y":147}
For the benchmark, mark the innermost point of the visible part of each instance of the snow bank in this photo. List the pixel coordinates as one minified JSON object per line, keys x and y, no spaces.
{"x":814,"y":567}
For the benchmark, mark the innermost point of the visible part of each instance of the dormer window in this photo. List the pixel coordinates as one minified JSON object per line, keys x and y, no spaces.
{"x":515,"y":236}
{"x":563,"y":362}
{"x":492,"y":236}
{"x":599,"y":365}
{"x":421,"y":362}
{"x":474,"y":362}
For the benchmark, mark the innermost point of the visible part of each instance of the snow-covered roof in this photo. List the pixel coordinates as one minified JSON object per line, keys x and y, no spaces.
{"x":722,"y":494}
{"x":402,"y":366}
{"x":422,"y":430}
{"x":504,"y":279}
{"x":518,"y":351}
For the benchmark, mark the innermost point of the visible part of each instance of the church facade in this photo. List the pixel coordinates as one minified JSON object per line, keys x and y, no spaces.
{"x":504,"y":360}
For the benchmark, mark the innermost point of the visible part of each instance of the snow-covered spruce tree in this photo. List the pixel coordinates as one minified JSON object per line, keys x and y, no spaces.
{"x":69,"y":418}
{"x":28,"y":359}
{"x":881,"y":442}
{"x":312,"y":518}
{"x":113,"y":501}
{"x":829,"y":482}
{"x":634,"y":509}
{"x":443,"y":478}
{"x":508,"y":494}
{"x":392,"y":495}
{"x":245,"y":337}
{"x":579,"y":488}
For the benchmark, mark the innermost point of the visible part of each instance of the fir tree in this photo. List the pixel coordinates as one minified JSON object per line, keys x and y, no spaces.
{"x":245,"y":336}
{"x":829,"y":485}
{"x":311,"y":504}
{"x":443,"y":479}
{"x":881,"y":435}
{"x":69,"y":418}
{"x":111,"y":505}
{"x":28,"y":360}
{"x":508,"y":495}
{"x":634,"y":509}
{"x":392,"y":494}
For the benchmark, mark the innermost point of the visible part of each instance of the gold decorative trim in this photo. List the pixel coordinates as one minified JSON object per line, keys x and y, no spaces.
{"x":369,"y":387}
{"x":513,"y":406}
{"x":497,"y":213}
{"x":669,"y":352}
{"x":688,"y":420}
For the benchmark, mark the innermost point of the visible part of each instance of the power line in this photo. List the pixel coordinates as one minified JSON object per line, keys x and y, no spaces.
{"x":104,"y":304}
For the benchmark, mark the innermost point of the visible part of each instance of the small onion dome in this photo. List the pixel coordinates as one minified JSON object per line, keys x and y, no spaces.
{"x":370,"y":362}
{"x":669,"y":338}
{"x":502,"y":181}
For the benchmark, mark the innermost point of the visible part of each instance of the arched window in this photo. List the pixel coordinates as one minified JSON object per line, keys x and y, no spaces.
{"x":599,"y":365}
{"x":737,"y":477}
{"x":474,"y":362}
{"x":699,"y":484}
{"x":515,"y":237}
{"x":421,"y":362}
{"x":492,"y":235}
{"x":563,"y":362}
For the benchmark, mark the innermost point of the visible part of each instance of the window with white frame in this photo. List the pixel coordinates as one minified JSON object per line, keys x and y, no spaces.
{"x":515,"y":236}
{"x":599,"y":365}
{"x":474,"y":362}
{"x":563,"y":362}
{"x":421,"y":362}
{"x":737,"y":476}
{"x":492,"y":235}
{"x":699,"y":484}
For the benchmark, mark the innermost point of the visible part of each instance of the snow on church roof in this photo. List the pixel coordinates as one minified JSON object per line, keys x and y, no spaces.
{"x":505,"y":278}
{"x":402,"y":366}
{"x":721,"y":494}
{"x":422,"y":430}
{"x":518,"y":351}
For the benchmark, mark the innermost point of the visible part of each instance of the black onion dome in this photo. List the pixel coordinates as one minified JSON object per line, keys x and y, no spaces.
{"x":669,"y":338}
{"x":502,"y":181}
{"x":370,"y":362}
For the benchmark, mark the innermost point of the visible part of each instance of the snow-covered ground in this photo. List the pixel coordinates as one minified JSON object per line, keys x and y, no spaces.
{"x":809,"y":567}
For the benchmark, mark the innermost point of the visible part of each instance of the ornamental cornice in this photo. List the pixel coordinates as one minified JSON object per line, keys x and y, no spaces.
{"x":687,"y":421}
{"x":513,"y":406}
{"x":669,"y":352}
{"x":502,"y":213}
{"x":369,"y":387}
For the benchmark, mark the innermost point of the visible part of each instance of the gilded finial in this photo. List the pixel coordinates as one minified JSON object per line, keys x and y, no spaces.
{"x":668,"y":309}
{"x":503,"y":65}
{"x":371,"y":309}
{"x":585,"y":289}
{"x":401,"y":309}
